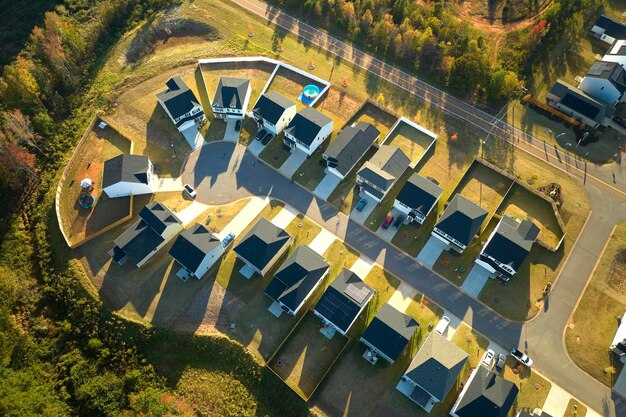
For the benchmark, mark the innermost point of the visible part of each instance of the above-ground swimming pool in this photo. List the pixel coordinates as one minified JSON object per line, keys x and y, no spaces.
{"x":311,"y":91}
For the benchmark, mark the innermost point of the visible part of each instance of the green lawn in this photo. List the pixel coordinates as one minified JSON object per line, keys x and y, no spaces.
{"x":374,"y":114}
{"x":290,"y":84}
{"x":412,"y":237}
{"x":533,"y":389}
{"x":483,"y":186}
{"x":274,"y":153}
{"x":575,"y":409}
{"x":410,"y":140}
{"x":427,"y":315}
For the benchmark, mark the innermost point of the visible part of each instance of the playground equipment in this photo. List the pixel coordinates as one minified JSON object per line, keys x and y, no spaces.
{"x":86,"y":199}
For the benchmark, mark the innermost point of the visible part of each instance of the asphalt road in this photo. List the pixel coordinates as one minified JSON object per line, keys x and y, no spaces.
{"x":223,"y":172}
{"x":610,"y":176}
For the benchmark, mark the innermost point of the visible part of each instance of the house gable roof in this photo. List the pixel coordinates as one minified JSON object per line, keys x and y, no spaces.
{"x":611,"y":71}
{"x":611,"y":27}
{"x":419,"y":193}
{"x":231,"y":93}
{"x":462,"y":219}
{"x":158,"y":216}
{"x":271,"y":106}
{"x":307,"y":123}
{"x":261,"y":244}
{"x":618,"y":48}
{"x":437,"y":365}
{"x":390,"y":331}
{"x":487,"y":395}
{"x":581,"y":103}
{"x":295,"y":279}
{"x":383,"y":169}
{"x":125,"y":168}
{"x":191,"y":246}
{"x":351,"y":144}
{"x":343,"y":299}
{"x":178,"y":98}
{"x":510,"y":243}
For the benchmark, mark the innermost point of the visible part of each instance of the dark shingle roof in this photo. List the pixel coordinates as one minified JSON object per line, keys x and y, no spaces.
{"x":125,"y":168}
{"x":231,"y":92}
{"x":271,"y":106}
{"x":611,"y":27}
{"x":462,"y":219}
{"x":343,"y":299}
{"x":137,"y":242}
{"x":581,"y":103}
{"x":437,"y":365}
{"x":262,"y":243}
{"x":178,"y":98}
{"x":351,"y":145}
{"x":387,"y":164}
{"x":419,"y":193}
{"x":611,"y":71}
{"x":158,"y":216}
{"x":390,"y":331}
{"x":307,"y":123}
{"x":487,"y":395}
{"x":192,"y":245}
{"x":296,"y":277}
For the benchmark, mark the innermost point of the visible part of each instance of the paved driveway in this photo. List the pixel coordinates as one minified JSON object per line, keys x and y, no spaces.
{"x":431,"y":251}
{"x":193,"y":137}
{"x":255,"y":147}
{"x":328,"y":184}
{"x":391,"y":231}
{"x":231,"y":135}
{"x":475,"y":281}
{"x":291,"y":165}
{"x":361,"y":216}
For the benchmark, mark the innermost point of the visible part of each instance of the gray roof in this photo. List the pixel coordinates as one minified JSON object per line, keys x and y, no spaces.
{"x":580,"y":102}
{"x":307,"y":123}
{"x":419,"y":193}
{"x":462,"y":219}
{"x":158,"y":216}
{"x":384,"y":168}
{"x":487,"y":395}
{"x":618,"y":48}
{"x":271,"y":106}
{"x":192,"y":245}
{"x":125,"y":168}
{"x":437,"y":365}
{"x":261,"y":244}
{"x":390,"y":331}
{"x":295,"y":279}
{"x":350,"y":146}
{"x":231,"y":92}
{"x":178,"y":98}
{"x":611,"y":71}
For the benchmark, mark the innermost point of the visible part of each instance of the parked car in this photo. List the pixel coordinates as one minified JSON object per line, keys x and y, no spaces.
{"x":361,"y":204}
{"x":488,"y":359}
{"x":521,"y":357}
{"x":228,"y":240}
{"x":267,"y":138}
{"x":501,"y":361}
{"x":238,"y":126}
{"x":443,"y":324}
{"x":189,"y":190}
{"x":260,"y":134}
{"x":398,"y":222}
{"x":619,"y":120}
{"x":387,"y":222}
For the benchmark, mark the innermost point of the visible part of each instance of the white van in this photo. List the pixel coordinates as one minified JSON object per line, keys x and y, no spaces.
{"x":442,"y":325}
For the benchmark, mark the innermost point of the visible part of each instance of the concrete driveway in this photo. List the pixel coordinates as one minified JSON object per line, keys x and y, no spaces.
{"x":193,"y":137}
{"x":328,"y":184}
{"x":431,"y":251}
{"x":255,"y":147}
{"x":291,"y":165}
{"x":361,"y":216}
{"x":231,"y":135}
{"x":391,"y":231}
{"x":475,"y":281}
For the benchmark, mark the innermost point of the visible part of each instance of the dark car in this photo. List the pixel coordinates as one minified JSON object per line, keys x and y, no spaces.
{"x":238,"y":126}
{"x":260,"y":134}
{"x":619,"y":120}
{"x":387,"y":222}
{"x":398,"y":222}
{"x":267,"y":138}
{"x":361,"y":205}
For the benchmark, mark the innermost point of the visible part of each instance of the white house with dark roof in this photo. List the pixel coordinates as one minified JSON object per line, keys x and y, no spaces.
{"x":485,"y":394}
{"x":157,"y":225}
{"x":295,"y":280}
{"x":378,"y":175}
{"x":618,"y":345}
{"x":273,"y":112}
{"x":343,"y":301}
{"x":459,"y":223}
{"x":231,"y":99}
{"x":126,"y":174}
{"x":433,"y":372}
{"x":262,"y":246}
{"x":606,"y":81}
{"x":576,"y":103}
{"x":608,"y":29}
{"x":181,"y":104}
{"x":388,"y":334}
{"x":349,"y":147}
{"x":616,"y":53}
{"x":308,"y":130}
{"x":508,"y":247}
{"x":196,"y":250}
{"x":417,"y":198}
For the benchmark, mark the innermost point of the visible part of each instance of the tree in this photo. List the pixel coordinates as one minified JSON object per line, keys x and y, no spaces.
{"x":18,"y":85}
{"x":468,"y":72}
{"x":502,"y":84}
{"x":19,"y":130}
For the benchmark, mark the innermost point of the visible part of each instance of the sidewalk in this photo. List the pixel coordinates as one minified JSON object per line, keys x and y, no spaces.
{"x":245,"y":216}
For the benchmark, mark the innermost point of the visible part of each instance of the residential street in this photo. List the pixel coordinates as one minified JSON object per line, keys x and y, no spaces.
{"x":223,"y":172}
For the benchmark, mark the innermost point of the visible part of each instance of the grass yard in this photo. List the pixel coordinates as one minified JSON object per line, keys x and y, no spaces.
{"x":343,"y":197}
{"x":385,"y":285}
{"x":427,"y":314}
{"x":412,"y":237}
{"x":274,"y":153}
{"x":311,"y":172}
{"x":594,"y":325}
{"x":375,"y":115}
{"x":533,"y":389}
{"x":484,"y":186}
{"x":410,"y":140}
{"x":290,"y":84}
{"x":339,"y":256}
{"x":575,"y":409}
{"x":306,"y":356}
{"x":217,"y":217}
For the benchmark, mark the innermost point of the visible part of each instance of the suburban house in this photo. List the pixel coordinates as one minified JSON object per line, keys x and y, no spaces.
{"x":606,"y":81}
{"x":579,"y":105}
{"x":156,"y":226}
{"x":507,"y":247}
{"x":616,"y":53}
{"x":388,"y":334}
{"x":273,"y":112}
{"x":608,"y":29}
{"x":308,"y":130}
{"x":126,"y":174}
{"x":618,"y":345}
{"x":296,"y":279}
{"x":181,"y":104}
{"x":196,"y":250}
{"x":380,"y":173}
{"x":231,"y":98}
{"x":433,"y":371}
{"x":486,"y":395}
{"x":417,"y":198}
{"x":261,"y":247}
{"x":459,"y":223}
{"x":350,"y":145}
{"x":343,"y":301}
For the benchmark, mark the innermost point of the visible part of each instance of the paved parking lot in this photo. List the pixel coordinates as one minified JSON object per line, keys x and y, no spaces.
{"x":291,"y":165}
{"x":429,"y":255}
{"x":328,"y":184}
{"x":475,"y":281}
{"x":361,"y":216}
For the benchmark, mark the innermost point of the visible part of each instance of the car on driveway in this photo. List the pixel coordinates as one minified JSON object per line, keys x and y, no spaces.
{"x":387,"y":222}
{"x":521,"y":357}
{"x":619,"y":120}
{"x":189,"y":190}
{"x":267,"y":138}
{"x":361,"y":204}
{"x":443,"y":324}
{"x":501,"y":362}
{"x":228,"y":240}
{"x":259,"y":135}
{"x":488,"y":359}
{"x":237,"y":125}
{"x":398,"y":222}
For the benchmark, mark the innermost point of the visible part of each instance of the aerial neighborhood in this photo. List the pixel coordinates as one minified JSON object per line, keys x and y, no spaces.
{"x":217,"y":208}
